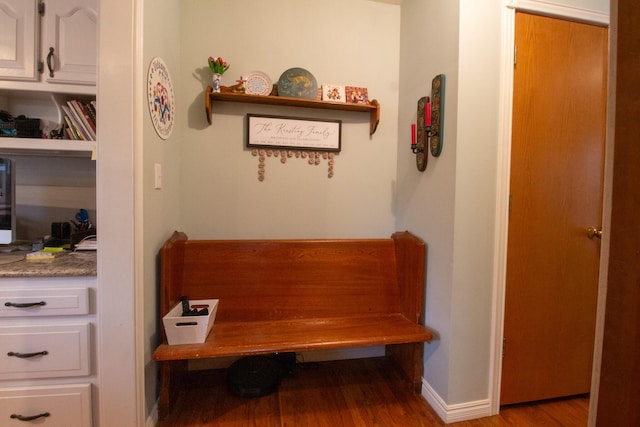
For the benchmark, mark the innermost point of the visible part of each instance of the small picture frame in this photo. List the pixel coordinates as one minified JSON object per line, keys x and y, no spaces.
{"x":334,"y":93}
{"x":357,"y":95}
{"x":293,"y":133}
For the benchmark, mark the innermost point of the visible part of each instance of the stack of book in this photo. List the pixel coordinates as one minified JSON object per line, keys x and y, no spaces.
{"x":80,"y":120}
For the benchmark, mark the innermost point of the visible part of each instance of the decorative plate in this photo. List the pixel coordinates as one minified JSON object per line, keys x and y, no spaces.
{"x":160,"y":96}
{"x":257,"y":83}
{"x":298,"y":83}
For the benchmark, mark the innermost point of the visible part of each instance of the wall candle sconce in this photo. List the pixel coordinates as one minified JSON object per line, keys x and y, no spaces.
{"x":430,"y":124}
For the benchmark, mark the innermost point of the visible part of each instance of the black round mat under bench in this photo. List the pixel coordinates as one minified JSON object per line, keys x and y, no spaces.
{"x":254,"y":376}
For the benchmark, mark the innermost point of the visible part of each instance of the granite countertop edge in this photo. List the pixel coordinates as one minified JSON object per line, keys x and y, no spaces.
{"x":70,"y":265}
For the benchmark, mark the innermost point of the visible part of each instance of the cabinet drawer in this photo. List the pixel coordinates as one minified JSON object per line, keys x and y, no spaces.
{"x":54,"y":406}
{"x":44,"y":351}
{"x":43,"y":302}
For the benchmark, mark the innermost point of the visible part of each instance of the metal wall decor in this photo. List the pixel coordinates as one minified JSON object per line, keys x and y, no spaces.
{"x":427,"y":133}
{"x":437,"y":115}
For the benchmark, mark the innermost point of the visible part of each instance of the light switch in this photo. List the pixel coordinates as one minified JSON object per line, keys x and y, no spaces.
{"x":157,"y":176}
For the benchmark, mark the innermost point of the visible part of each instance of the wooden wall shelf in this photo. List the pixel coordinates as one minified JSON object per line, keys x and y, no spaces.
{"x":373,"y":108}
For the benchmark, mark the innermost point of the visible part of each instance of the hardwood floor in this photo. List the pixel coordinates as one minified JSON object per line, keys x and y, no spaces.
{"x":362,"y":392}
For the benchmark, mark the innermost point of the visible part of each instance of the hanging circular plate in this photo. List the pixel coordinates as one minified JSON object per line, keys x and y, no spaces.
{"x":298,"y":83}
{"x":160,"y":97}
{"x":257,"y":83}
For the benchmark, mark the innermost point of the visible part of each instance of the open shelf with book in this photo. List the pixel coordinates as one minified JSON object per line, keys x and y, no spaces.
{"x":52,"y":109}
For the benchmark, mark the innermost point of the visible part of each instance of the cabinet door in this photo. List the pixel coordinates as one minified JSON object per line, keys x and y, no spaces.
{"x":18,"y":39}
{"x":69,"y":42}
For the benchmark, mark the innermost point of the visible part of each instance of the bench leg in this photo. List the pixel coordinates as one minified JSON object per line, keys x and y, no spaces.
{"x":409,"y":357}
{"x":171,"y":375}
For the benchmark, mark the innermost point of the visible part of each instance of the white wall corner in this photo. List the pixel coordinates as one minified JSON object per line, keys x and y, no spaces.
{"x":457,"y":412}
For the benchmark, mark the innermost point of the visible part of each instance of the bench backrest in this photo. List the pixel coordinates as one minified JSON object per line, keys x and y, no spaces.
{"x":257,"y":280}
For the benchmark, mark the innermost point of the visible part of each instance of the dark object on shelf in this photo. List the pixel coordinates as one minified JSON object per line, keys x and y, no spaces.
{"x":254,"y":376}
{"x":28,"y":128}
{"x":57,"y":134}
{"x":20,"y":127}
{"x":60,"y":235}
{"x":298,"y":83}
{"x":7,"y":124}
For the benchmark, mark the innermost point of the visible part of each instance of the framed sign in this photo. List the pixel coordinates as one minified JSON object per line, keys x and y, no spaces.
{"x":293,"y":133}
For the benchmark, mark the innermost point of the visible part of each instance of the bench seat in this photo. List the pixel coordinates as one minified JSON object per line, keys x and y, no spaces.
{"x":276,"y":336}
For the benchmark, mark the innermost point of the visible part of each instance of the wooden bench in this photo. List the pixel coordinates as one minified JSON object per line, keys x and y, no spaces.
{"x":297,"y":295}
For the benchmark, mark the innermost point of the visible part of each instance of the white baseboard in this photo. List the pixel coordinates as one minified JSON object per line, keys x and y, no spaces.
{"x":152,"y":419}
{"x":459,"y":411}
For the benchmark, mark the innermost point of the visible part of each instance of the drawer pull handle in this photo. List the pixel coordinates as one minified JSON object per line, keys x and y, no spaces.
{"x":31,"y":418}
{"x":27,"y":355}
{"x":25,"y":304}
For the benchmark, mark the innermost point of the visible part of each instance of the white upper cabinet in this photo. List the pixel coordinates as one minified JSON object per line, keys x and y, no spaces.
{"x":69,"y":34}
{"x":51,"y":41}
{"x":19,"y":36}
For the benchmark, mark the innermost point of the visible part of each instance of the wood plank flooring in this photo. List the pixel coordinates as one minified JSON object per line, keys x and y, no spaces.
{"x":361,"y":392}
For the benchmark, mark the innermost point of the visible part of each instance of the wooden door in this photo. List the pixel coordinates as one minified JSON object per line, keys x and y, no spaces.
{"x":556,"y":193}
{"x":619,"y":375}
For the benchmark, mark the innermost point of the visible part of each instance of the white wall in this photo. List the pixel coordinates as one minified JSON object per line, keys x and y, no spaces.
{"x":118,"y":299}
{"x":451,"y":205}
{"x":454,"y":203}
{"x":426,"y":200}
{"x":352,"y":42}
{"x":158,"y":208}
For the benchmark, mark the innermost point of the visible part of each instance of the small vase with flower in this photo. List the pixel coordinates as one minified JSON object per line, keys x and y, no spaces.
{"x":217,"y":66}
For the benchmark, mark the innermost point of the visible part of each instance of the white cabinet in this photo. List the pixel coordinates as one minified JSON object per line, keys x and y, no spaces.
{"x":47,"y":354}
{"x":44,"y":302}
{"x":52,"y":41}
{"x":54,"y":406}
{"x":48,"y":56}
{"x":44,"y":351}
{"x":19,"y":39}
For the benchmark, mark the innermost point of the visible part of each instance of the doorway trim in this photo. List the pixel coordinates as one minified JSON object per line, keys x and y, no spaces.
{"x":503,"y":178}
{"x":551,"y":8}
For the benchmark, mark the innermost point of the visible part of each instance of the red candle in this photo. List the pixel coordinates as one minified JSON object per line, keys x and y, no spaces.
{"x":427,"y":112}
{"x":413,"y":134}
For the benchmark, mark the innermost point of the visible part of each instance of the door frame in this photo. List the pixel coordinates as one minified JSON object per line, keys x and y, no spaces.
{"x":502,"y":193}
